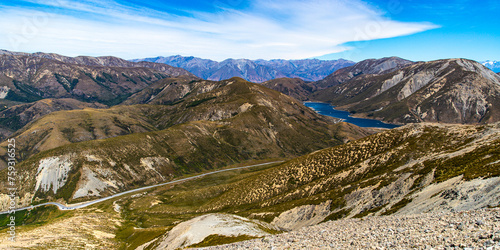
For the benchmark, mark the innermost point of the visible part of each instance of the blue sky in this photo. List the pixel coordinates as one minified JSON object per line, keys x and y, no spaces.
{"x":259,"y":29}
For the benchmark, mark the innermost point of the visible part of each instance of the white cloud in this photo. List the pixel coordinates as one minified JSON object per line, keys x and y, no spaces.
{"x":267,"y":29}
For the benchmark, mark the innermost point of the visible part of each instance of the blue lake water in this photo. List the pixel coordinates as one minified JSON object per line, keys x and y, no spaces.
{"x":327,"y":109}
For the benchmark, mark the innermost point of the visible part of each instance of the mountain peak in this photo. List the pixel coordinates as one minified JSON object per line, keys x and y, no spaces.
{"x":369,"y":66}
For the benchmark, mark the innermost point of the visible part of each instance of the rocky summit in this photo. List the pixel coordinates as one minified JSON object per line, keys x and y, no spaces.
{"x":366,"y":67}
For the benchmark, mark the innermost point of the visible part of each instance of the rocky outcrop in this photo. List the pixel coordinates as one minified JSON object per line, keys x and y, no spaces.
{"x":448,"y":91}
{"x":455,"y":194}
{"x":477,"y":229}
{"x":302,"y":216}
{"x":194,"y":231}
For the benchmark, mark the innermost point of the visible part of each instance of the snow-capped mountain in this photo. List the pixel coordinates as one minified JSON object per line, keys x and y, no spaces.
{"x":493,"y":65}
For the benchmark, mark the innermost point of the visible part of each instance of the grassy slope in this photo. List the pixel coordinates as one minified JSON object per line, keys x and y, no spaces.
{"x":334,"y":173}
{"x":64,"y":127}
{"x":212,"y":131}
{"x":330,"y":174}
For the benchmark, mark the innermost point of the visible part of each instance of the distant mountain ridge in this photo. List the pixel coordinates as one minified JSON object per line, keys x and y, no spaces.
{"x":493,"y":65}
{"x":253,"y":70}
{"x":304,"y":91}
{"x":105,"y":61}
{"x":109,"y":80}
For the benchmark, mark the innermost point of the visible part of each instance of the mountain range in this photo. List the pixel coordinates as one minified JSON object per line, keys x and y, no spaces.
{"x":108,"y":80}
{"x":493,"y":65}
{"x":452,"y":91}
{"x":233,"y":122}
{"x":418,"y":168}
{"x":247,"y":159}
{"x":400,"y":91}
{"x":253,"y":70}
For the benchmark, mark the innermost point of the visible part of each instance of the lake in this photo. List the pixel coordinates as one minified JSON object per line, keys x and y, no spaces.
{"x":327,"y":109}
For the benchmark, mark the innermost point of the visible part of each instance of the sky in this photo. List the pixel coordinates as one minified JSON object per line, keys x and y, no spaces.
{"x":421,"y":30}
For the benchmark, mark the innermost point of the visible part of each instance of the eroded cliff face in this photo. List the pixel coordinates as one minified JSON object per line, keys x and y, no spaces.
{"x":449,"y":91}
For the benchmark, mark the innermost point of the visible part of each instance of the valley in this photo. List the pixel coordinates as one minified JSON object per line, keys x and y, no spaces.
{"x":144,"y":155}
{"x":86,"y":204}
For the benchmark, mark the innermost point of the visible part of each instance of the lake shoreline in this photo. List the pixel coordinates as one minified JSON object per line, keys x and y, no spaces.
{"x":329,"y":110}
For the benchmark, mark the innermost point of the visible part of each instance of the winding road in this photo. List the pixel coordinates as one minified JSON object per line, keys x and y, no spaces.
{"x":88,"y":203}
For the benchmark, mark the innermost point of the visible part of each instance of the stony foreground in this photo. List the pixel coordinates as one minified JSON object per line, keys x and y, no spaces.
{"x":479,"y":229}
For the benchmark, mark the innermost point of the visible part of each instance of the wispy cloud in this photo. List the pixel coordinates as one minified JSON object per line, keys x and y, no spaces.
{"x":266,"y":29}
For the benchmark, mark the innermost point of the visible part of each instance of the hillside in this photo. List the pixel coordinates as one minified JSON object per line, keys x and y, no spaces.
{"x":418,"y":168}
{"x":32,"y":77}
{"x":238,"y":122}
{"x":304,"y":91}
{"x":64,"y":127}
{"x":18,"y":116}
{"x":457,"y":230}
{"x":390,"y":166}
{"x":253,"y":70}
{"x":414,"y":169}
{"x":296,"y":87}
{"x":172,"y":90}
{"x":448,"y":91}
